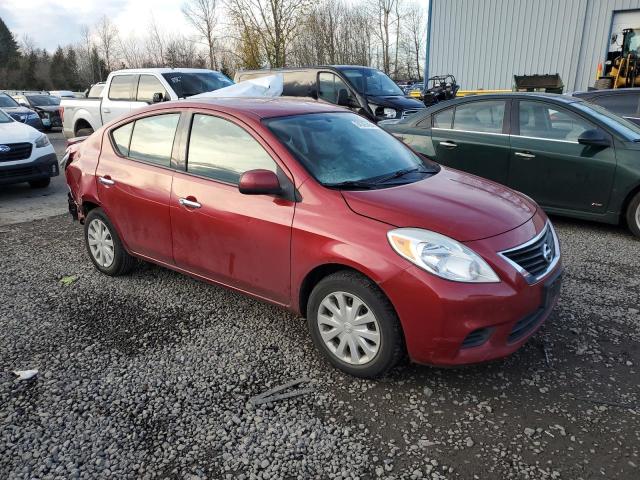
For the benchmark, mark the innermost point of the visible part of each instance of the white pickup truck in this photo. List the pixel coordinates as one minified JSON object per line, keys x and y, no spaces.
{"x":126,"y":90}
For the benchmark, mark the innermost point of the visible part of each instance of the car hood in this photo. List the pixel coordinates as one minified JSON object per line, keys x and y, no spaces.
{"x":14,"y":110}
{"x":16,"y":132}
{"x":396,"y":101}
{"x":461,"y":206}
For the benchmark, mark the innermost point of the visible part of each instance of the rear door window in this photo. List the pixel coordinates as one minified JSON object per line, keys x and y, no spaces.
{"x":482,"y":116}
{"x":443,"y":119}
{"x":621,"y":104}
{"x":549,"y":122}
{"x":122,"y":87}
{"x":152,"y":138}
{"x":122,"y":137}
{"x":221,"y":150}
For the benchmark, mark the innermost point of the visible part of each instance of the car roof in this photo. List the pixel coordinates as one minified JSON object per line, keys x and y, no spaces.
{"x":312,"y":67}
{"x":257,"y":108}
{"x":603,"y":93}
{"x":162,"y":70}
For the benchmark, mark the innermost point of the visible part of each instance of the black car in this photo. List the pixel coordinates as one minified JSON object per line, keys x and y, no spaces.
{"x":46,"y":106}
{"x":364,"y":90}
{"x":624,"y":102}
{"x":19,"y":112}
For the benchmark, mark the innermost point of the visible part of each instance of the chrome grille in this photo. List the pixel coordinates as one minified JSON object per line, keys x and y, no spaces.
{"x":14,"y":151}
{"x":536,"y":257}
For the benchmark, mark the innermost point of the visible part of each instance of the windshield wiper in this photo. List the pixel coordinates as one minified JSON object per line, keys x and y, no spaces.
{"x":351,"y":184}
{"x":399,"y":174}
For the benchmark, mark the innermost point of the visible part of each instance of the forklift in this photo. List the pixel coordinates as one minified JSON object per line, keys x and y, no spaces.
{"x":622,"y":68}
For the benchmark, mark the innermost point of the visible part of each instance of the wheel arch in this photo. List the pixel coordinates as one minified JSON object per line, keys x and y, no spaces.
{"x":627,"y":200}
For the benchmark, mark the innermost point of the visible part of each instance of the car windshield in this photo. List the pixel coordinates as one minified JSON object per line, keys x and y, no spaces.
{"x":186,"y":84}
{"x":346,"y":150}
{"x":625,"y":128}
{"x":4,"y":118}
{"x":43,"y":100}
{"x":7,"y":102}
{"x":371,"y":82}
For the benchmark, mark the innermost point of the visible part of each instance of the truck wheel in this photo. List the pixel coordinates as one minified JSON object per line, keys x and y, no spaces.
{"x":604,"y":83}
{"x":353,"y":323}
{"x":84,"y":132}
{"x":44,"y":183}
{"x":104,"y":246}
{"x":633,"y":215}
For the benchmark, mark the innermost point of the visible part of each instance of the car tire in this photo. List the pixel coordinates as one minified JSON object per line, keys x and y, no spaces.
{"x":604,"y":83}
{"x":381,"y":334}
{"x":104,"y":245}
{"x":84,"y":132}
{"x":43,"y":183}
{"x":633,"y":215}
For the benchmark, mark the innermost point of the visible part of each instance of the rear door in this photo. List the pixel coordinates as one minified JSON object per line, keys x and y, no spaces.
{"x":134,"y":178}
{"x":235,"y":239}
{"x":119,"y":97}
{"x":548,"y":163}
{"x":474,"y":137}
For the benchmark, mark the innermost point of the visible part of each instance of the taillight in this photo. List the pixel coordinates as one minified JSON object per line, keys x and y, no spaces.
{"x":61,"y":110}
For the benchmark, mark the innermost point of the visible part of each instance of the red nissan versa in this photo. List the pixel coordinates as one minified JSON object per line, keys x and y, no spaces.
{"x":316,"y":209}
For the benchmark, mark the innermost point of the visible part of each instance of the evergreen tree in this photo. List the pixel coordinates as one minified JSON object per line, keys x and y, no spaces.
{"x":71,"y":76}
{"x":9,"y":58}
{"x":57,"y":69}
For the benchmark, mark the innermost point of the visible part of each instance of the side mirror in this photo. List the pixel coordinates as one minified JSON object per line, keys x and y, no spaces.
{"x":259,"y":182}
{"x":594,"y":138}
{"x":158,"y":97}
{"x":344,"y":99}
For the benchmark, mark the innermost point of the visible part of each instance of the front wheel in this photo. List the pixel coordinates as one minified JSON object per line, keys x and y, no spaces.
{"x":104,"y":245}
{"x":353,"y":323}
{"x":633,"y":215}
{"x":84,"y":132}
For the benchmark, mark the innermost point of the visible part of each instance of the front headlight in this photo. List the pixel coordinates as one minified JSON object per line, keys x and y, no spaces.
{"x":440,"y":255}
{"x":42,"y":141}
{"x":384,"y":112}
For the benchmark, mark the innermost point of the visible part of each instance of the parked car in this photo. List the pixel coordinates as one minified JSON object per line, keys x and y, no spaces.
{"x":572,"y":157}
{"x":386,"y":251}
{"x":46,"y":106}
{"x":128,"y":90}
{"x":62,"y":93}
{"x":25,"y":154}
{"x":624,"y":102}
{"x":364,"y":90}
{"x":19,"y":112}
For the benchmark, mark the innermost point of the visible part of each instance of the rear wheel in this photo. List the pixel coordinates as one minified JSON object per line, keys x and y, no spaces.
{"x":604,"y":83}
{"x":104,"y":246}
{"x":353,"y":323}
{"x":633,"y":215}
{"x":84,"y":132}
{"x":42,"y":183}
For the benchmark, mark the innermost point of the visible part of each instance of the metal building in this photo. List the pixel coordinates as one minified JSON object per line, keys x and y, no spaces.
{"x":485,"y":42}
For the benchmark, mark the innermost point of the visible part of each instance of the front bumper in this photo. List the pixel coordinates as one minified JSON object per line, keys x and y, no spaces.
{"x":450,"y":323}
{"x":43,"y":167}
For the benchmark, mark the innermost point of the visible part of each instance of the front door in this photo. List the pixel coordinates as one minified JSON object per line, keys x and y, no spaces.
{"x":548,"y":163}
{"x":472,"y":137}
{"x":134,"y":183}
{"x":235,"y":239}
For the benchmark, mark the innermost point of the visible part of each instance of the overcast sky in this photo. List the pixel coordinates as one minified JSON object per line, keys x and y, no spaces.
{"x":50,"y":23}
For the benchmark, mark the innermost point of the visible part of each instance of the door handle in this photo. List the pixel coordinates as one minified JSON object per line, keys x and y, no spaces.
{"x":449,"y":144}
{"x":106,"y":180}
{"x":525,"y":155}
{"x":185,"y":202}
{"x":106,"y":110}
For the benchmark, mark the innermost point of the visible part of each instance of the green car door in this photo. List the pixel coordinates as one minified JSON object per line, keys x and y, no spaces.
{"x":469,"y":136}
{"x":550,"y":165}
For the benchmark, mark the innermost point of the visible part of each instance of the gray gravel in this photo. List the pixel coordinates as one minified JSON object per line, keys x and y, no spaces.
{"x":149,"y":376}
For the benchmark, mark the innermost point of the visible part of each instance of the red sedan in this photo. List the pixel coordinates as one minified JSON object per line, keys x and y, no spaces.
{"x":316,"y":209}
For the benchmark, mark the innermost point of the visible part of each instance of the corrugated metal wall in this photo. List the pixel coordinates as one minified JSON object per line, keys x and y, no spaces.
{"x":485,"y":42}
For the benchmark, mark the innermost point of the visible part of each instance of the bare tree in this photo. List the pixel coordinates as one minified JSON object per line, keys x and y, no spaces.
{"x":107,"y":35}
{"x":202,"y":15}
{"x":381,"y":11}
{"x":415,"y":28}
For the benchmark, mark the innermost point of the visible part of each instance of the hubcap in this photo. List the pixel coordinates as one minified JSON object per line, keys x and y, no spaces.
{"x":348,"y":328}
{"x":638,"y":216}
{"x":100,"y":243}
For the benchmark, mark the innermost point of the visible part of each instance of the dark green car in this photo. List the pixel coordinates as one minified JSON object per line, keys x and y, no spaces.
{"x":573,"y":158}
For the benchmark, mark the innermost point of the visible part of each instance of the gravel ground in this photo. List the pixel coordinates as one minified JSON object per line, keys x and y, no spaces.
{"x":149,"y":376}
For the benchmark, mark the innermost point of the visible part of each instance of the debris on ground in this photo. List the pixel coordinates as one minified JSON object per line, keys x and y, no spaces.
{"x":25,"y":374}
{"x":272,"y":395}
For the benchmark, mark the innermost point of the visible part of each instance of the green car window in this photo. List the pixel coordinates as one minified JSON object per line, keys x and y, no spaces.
{"x":443,"y":119}
{"x":546,"y":121}
{"x":483,"y":116}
